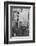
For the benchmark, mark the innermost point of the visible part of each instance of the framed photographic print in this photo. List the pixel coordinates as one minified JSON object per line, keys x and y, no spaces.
{"x":19,"y":22}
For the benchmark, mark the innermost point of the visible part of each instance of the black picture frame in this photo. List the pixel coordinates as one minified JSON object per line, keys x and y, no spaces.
{"x":6,"y":41}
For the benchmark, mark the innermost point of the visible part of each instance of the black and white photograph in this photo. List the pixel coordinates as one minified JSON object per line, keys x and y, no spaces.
{"x":19,"y":22}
